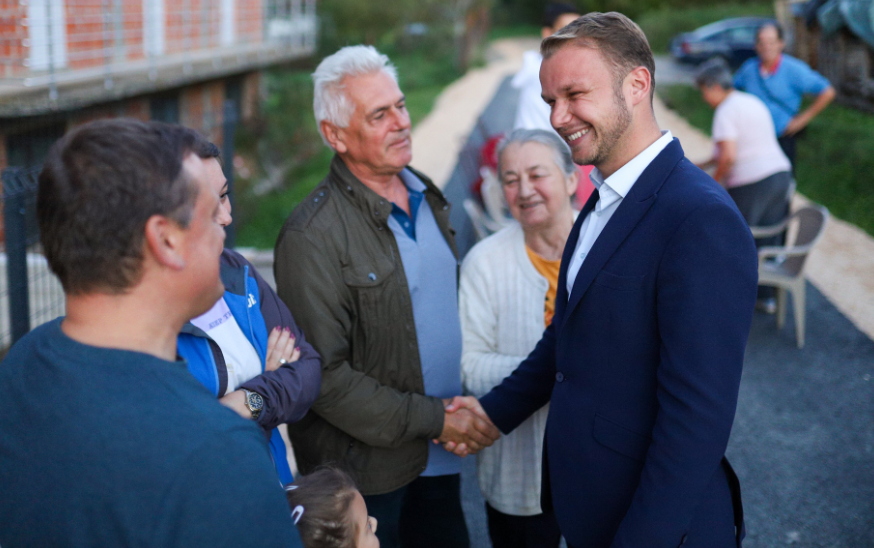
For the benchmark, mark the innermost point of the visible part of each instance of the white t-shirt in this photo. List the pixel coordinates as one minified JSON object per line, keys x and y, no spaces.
{"x":744,"y":119}
{"x":242,"y":360}
{"x":532,"y":112}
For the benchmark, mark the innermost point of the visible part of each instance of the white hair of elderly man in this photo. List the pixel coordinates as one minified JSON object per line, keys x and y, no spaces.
{"x":329,"y":100}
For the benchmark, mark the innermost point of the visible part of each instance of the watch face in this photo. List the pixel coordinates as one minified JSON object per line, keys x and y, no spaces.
{"x":255,"y":400}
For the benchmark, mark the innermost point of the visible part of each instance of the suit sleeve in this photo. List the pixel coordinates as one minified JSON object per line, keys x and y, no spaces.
{"x":706,"y":292}
{"x":376,"y":414}
{"x":292,"y":389}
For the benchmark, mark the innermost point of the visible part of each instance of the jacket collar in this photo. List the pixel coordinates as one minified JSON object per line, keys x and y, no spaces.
{"x":377,"y":208}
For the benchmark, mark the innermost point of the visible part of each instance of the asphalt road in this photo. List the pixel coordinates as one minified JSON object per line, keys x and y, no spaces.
{"x":803,"y":438}
{"x":669,"y":71}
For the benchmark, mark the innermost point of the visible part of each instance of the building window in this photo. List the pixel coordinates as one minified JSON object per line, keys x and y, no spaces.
{"x":29,"y":149}
{"x":165,"y":108}
{"x":154,"y":27}
{"x":47,"y":31}
{"x":228,"y":28}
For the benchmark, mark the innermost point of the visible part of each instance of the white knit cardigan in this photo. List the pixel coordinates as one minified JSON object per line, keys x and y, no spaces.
{"x":501,"y":301}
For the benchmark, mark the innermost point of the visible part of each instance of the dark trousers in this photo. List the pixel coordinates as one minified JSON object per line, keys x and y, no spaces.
{"x":424,"y":514}
{"x":507,"y":531}
{"x":787,"y":143}
{"x":762,"y":204}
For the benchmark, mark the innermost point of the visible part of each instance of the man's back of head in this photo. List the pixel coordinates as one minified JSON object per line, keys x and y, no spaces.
{"x":99,"y":186}
{"x":127,"y":221}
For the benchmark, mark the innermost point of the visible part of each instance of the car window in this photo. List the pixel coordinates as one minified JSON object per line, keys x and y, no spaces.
{"x":745,"y":35}
{"x":718,"y":37}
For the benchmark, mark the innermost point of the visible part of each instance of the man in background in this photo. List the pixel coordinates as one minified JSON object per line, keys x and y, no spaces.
{"x":107,"y":439}
{"x":532,"y":112}
{"x":781,"y":82}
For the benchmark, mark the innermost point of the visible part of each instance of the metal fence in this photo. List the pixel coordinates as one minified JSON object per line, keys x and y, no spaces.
{"x":30,"y":294}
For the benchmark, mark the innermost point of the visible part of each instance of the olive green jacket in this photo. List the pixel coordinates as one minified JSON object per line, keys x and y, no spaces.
{"x":338,"y":268}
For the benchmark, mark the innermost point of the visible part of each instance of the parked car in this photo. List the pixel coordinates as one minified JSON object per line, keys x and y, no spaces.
{"x":732,"y":39}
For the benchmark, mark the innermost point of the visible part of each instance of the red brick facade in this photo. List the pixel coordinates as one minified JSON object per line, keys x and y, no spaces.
{"x":90,"y":39}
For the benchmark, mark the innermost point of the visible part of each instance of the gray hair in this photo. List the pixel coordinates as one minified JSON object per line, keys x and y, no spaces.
{"x":330,"y":101}
{"x":563,"y":158}
{"x":714,"y":72}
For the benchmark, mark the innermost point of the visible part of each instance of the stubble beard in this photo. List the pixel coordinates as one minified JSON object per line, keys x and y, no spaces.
{"x":606,"y":138}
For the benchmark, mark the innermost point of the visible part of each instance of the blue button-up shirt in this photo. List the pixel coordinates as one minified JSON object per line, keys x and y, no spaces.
{"x":432,"y":278}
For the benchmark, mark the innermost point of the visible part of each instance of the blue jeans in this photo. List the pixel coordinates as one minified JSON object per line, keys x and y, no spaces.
{"x":424,"y":514}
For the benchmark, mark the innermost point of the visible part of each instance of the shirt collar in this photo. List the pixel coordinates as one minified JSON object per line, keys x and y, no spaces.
{"x":411,"y":181}
{"x":767,"y":72}
{"x":619,"y":184}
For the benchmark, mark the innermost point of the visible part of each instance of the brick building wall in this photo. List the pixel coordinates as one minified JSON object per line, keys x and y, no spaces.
{"x":12,"y":37}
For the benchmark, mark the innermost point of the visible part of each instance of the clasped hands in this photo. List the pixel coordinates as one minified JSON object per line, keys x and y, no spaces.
{"x":467,"y":428}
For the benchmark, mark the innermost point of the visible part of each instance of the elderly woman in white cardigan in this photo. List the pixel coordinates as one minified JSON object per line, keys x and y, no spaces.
{"x":507,"y":298}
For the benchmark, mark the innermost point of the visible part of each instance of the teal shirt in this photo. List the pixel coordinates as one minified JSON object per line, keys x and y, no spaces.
{"x":107,"y":447}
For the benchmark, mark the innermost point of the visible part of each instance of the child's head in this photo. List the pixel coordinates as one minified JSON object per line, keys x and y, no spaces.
{"x":330,"y":512}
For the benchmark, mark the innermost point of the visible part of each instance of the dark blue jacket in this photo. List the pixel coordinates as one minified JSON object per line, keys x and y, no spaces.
{"x":641,"y":367}
{"x":289,"y":391}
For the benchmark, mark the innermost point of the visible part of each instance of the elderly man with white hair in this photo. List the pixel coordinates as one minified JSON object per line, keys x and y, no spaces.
{"x":369,"y":261}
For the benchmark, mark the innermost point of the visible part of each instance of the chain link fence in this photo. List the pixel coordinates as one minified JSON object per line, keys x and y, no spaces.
{"x":30,"y":294}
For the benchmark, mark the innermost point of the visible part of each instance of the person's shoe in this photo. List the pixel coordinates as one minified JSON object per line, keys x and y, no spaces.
{"x":768,"y":306}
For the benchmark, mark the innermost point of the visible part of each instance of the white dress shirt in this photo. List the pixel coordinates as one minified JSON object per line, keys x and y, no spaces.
{"x":611,"y":191}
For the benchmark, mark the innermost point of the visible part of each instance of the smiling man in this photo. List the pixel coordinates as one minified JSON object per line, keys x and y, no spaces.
{"x":369,"y":266}
{"x":642,"y":361}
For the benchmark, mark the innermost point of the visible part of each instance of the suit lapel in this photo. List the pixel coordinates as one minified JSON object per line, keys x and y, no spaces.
{"x":629,"y":213}
{"x":561,"y":297}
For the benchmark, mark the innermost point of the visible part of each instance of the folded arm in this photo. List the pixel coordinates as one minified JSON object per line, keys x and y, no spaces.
{"x":290,"y":390}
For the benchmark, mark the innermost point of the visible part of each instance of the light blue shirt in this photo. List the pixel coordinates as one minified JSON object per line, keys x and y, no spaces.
{"x":782,"y":91}
{"x":432,"y":278}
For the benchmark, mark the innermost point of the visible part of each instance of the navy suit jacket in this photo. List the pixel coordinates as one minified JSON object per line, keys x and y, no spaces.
{"x":642,"y":365}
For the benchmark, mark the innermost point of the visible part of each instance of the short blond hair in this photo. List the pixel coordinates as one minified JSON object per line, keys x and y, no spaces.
{"x":622,"y":43}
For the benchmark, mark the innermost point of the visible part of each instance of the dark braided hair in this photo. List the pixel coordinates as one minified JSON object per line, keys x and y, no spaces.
{"x":326,"y":496}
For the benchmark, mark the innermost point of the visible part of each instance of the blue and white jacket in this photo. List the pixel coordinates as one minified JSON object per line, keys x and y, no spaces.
{"x":289,"y":391}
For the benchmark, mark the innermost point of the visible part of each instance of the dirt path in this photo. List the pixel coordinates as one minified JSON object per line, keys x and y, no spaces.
{"x":841,"y":267}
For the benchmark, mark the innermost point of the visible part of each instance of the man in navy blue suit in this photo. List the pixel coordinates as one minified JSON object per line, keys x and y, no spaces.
{"x":642,"y":363}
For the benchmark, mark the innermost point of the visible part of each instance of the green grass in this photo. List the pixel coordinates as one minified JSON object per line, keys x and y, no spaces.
{"x":270,"y":210}
{"x":835,"y":162}
{"x":514,"y":31}
{"x":663,"y":24}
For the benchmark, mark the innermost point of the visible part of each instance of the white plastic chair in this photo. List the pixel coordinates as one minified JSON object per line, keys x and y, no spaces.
{"x":493,"y":198}
{"x":482,"y":225}
{"x":783,"y":266}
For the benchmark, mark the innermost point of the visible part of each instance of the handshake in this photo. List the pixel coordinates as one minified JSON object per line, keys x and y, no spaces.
{"x":466,"y":427}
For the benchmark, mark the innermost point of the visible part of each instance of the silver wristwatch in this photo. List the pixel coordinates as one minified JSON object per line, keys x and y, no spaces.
{"x":254,"y":402}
